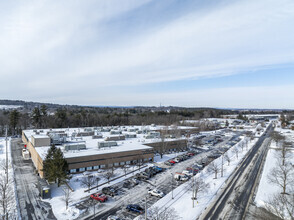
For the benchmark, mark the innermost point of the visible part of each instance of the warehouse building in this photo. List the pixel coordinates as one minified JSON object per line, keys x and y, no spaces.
{"x":98,"y":148}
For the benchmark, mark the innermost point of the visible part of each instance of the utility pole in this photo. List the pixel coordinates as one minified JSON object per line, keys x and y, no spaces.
{"x":94,"y":209}
{"x":146,"y":208}
{"x":222,"y":174}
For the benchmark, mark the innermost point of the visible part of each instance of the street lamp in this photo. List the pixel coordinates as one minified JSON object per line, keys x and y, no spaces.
{"x":172,"y":184}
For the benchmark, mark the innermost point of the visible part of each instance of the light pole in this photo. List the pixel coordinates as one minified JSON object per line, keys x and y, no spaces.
{"x":172,"y":184}
{"x":222,"y":173}
{"x":146,"y":207}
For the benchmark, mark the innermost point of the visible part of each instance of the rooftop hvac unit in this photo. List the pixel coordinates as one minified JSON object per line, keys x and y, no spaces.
{"x":107,"y":144}
{"x":74,"y":146}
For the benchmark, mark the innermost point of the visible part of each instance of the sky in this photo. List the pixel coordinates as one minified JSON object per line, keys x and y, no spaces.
{"x":190,"y":53}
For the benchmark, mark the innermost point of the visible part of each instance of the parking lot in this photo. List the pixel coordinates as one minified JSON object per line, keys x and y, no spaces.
{"x":136,"y":194}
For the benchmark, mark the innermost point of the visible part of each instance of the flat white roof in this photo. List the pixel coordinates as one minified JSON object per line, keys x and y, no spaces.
{"x":130,"y":144}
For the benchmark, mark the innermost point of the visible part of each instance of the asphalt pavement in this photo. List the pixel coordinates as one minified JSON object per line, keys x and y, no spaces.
{"x":31,"y":205}
{"x":233,"y":201}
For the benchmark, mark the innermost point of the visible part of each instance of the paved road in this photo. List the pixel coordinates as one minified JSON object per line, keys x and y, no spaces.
{"x":137,"y":194}
{"x":31,"y":207}
{"x":233,"y":201}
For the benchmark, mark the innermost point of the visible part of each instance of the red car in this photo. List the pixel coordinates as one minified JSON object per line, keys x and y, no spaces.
{"x":191,"y":154}
{"x":99,"y":197}
{"x":171,"y":161}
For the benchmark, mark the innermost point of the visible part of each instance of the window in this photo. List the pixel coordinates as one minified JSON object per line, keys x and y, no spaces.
{"x":96,"y":167}
{"x":116,"y":164}
{"x":82,"y":169}
{"x":145,"y":159}
{"x":128,"y":162}
{"x":89,"y":168}
{"x":102,"y":166}
{"x":122,"y":163}
{"x":110,"y":165}
{"x":73,"y":170}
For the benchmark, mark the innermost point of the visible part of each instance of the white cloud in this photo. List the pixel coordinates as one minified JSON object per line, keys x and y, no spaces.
{"x":67,"y":49}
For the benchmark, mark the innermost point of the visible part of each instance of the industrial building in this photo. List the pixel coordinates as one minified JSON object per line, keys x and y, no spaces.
{"x":87,"y":149}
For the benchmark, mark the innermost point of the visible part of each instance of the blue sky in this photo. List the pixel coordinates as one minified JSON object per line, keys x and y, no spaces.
{"x":216,"y":53}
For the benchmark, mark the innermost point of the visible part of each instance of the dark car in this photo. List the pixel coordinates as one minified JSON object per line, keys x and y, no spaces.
{"x":109,"y":191}
{"x":135,"y":208}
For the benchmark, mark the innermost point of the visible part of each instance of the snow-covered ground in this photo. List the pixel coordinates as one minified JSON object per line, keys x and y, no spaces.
{"x":266,"y":189}
{"x":10,"y":106}
{"x":182,"y":202}
{"x":58,"y":205}
{"x":13,"y":211}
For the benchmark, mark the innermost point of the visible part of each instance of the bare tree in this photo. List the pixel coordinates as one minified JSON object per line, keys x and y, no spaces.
{"x":6,"y":192}
{"x":213,"y":168}
{"x":140,"y":162}
{"x":282,"y":175}
{"x":236,"y":151}
{"x":281,"y":205}
{"x":227,"y":158}
{"x":88,"y":181}
{"x":97,"y":179}
{"x":277,"y":137}
{"x":156,"y":213}
{"x":163,"y":143}
{"x":284,"y":153}
{"x":126,"y":169}
{"x":197,"y":185}
{"x":67,"y":196}
{"x":242,"y":145}
{"x":108,"y":174}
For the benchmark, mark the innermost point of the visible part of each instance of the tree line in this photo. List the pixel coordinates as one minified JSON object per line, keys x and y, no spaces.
{"x":41,"y":116}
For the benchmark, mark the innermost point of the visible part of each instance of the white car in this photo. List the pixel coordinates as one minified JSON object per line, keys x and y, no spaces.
{"x":113,"y":217}
{"x":156,"y":192}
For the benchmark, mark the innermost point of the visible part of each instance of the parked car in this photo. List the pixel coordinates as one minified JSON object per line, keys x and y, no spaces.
{"x":113,"y":217}
{"x":135,"y":208}
{"x":181,"y":177}
{"x":188,"y":173}
{"x":109,"y":191}
{"x":168,"y":163}
{"x":156,"y":192}
{"x":142,"y":176}
{"x":127,"y":184}
{"x":191,"y":154}
{"x":135,"y":181}
{"x":99,"y":197}
{"x":171,"y":161}
{"x":177,"y":160}
{"x":157,"y":169}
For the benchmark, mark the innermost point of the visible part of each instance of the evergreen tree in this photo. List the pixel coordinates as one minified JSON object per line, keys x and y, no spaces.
{"x":13,"y":120}
{"x":36,"y":115}
{"x":55,"y":166}
{"x":43,"y":111}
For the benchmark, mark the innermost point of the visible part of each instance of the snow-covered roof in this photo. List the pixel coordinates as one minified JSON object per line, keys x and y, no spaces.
{"x":129,"y":144}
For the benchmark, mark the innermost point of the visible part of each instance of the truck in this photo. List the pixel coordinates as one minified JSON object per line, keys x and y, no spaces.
{"x":181,"y":176}
{"x":25,"y":154}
